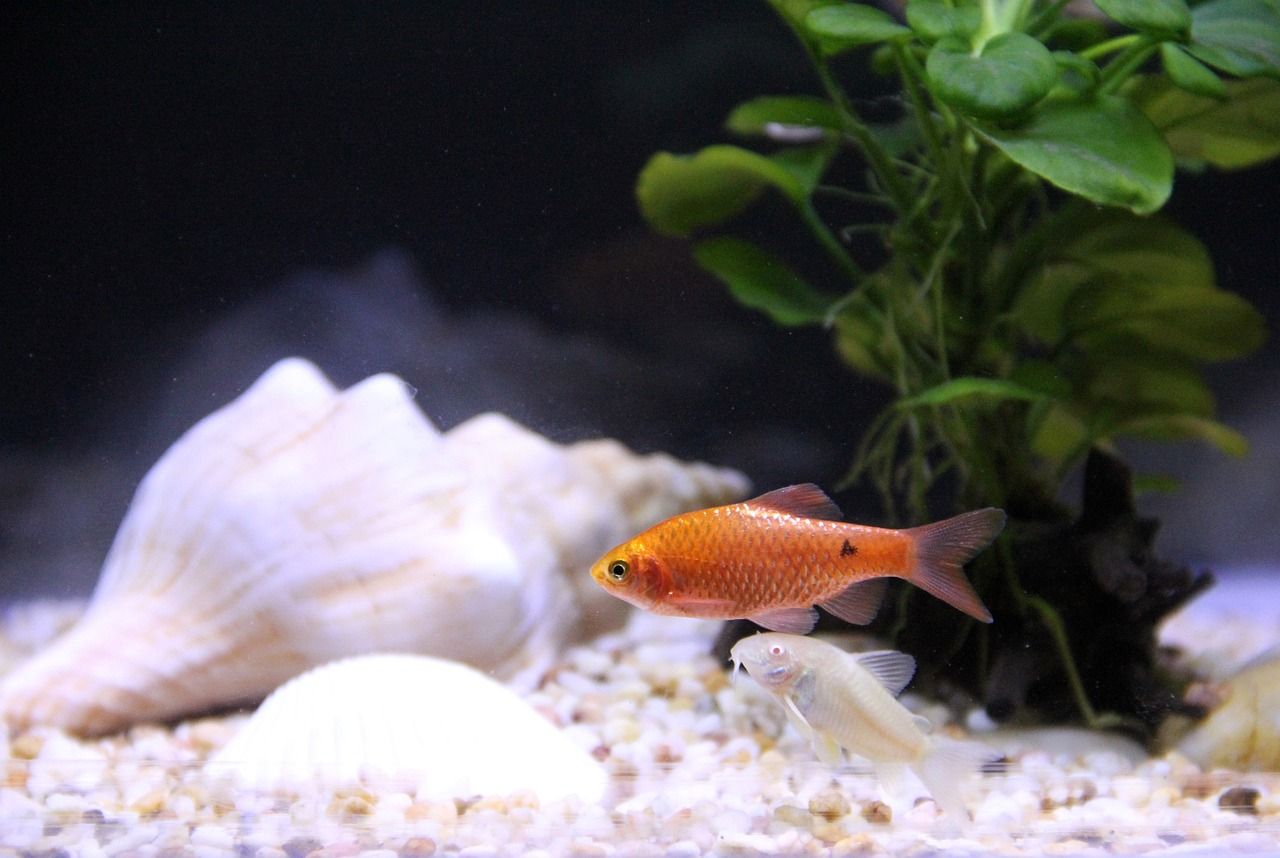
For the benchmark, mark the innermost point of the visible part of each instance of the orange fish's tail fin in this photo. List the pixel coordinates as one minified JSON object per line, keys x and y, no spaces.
{"x":942,"y":549}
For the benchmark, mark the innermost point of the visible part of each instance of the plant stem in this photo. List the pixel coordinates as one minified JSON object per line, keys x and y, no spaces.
{"x":1053,"y":623}
{"x":853,"y":196}
{"x":829,"y":242}
{"x":1125,"y":64}
{"x":1109,"y":46}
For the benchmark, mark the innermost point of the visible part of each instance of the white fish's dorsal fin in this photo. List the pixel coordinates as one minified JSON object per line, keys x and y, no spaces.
{"x":797,"y":621}
{"x":893,"y":669}
{"x":804,"y":499}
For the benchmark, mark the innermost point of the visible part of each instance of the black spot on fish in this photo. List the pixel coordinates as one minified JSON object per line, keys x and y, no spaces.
{"x":847,"y":549}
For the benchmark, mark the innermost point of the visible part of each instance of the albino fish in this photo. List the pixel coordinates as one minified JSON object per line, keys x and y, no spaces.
{"x":773,"y":558}
{"x":846,"y":700}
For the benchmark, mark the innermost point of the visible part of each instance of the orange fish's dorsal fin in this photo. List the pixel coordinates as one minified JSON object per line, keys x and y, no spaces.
{"x":859,"y":602}
{"x":803,"y":499}
{"x":797,"y":621}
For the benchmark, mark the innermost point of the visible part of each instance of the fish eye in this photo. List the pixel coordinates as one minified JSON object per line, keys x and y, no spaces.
{"x":776,"y":649}
{"x":618,"y":570}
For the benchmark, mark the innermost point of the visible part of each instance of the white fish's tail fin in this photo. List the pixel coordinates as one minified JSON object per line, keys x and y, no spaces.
{"x":945,"y":767}
{"x":942,"y":549}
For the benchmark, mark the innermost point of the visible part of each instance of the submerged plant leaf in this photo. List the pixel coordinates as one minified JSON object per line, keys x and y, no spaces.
{"x":1188,"y":427}
{"x":1102,"y":149}
{"x":1167,"y":318}
{"x":1241,"y":37}
{"x":933,"y":20}
{"x":1241,"y":131}
{"x":1189,"y":73}
{"x":761,"y":281}
{"x":850,"y":25}
{"x":1116,"y":242}
{"x":681,"y":193}
{"x":799,"y":111}
{"x":968,"y":387}
{"x":1161,"y":17}
{"x":1012,"y":72}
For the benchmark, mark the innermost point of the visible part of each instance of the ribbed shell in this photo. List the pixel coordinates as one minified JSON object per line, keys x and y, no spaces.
{"x":434,"y":727}
{"x":301,"y":524}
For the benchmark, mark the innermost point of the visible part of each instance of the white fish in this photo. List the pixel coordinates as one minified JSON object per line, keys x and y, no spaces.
{"x":846,"y":700}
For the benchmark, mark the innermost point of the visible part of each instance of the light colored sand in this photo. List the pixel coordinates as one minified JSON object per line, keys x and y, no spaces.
{"x":698,"y":765}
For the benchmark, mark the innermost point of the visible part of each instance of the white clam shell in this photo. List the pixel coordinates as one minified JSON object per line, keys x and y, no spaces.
{"x":301,"y":524}
{"x":435,"y":727}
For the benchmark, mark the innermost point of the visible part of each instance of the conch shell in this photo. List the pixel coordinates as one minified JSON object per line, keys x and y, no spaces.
{"x":435,"y":728}
{"x":301,"y":524}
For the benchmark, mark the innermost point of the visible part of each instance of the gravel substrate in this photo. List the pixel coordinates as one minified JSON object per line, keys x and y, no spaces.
{"x":698,"y":764}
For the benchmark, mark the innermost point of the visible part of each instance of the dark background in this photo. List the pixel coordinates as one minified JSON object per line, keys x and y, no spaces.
{"x":442,"y":190}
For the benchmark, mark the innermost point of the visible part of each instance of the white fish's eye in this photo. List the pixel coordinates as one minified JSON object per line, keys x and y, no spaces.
{"x":776,"y":649}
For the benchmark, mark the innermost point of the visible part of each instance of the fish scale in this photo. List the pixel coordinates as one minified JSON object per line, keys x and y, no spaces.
{"x":772,"y":558}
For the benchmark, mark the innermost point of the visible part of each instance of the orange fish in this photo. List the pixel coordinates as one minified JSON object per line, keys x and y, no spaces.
{"x":773,"y":558}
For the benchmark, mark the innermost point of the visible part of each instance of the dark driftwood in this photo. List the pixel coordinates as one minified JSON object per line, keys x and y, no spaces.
{"x":1098,"y":572}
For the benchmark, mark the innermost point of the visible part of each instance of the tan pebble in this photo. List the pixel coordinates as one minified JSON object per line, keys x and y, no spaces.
{"x":1240,"y":799}
{"x":1070,"y":846}
{"x":350,"y":805}
{"x":789,"y":814}
{"x":680,"y":704}
{"x":859,"y":844}
{"x":589,"y":849}
{"x":497,"y":804}
{"x":830,"y":804}
{"x":740,"y":758}
{"x":877,"y":813}
{"x":524,"y":798}
{"x":15,"y":775}
{"x":445,"y":812}
{"x":764,"y":740}
{"x":27,"y":746}
{"x":1203,"y":785}
{"x":829,"y":832}
{"x":418,"y":847}
{"x":715,"y":680}
{"x":150,"y":803}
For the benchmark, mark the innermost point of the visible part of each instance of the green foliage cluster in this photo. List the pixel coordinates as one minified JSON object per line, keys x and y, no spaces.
{"x":1026,"y":304}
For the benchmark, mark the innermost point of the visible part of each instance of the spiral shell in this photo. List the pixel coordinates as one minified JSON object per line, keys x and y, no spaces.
{"x":301,"y":524}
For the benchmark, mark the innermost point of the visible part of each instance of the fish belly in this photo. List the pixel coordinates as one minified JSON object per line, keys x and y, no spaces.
{"x":864,"y":718}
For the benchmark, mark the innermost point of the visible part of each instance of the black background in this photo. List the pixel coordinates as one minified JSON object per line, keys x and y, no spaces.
{"x":165,"y":168}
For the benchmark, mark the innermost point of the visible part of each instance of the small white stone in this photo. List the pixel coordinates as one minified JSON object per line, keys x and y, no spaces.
{"x":683,"y":849}
{"x":378,"y":853}
{"x":212,"y":835}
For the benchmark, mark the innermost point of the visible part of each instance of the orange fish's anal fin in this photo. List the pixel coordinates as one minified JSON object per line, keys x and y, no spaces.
{"x":858,"y":603}
{"x":804,"y":499}
{"x":797,"y":621}
{"x":942,"y":549}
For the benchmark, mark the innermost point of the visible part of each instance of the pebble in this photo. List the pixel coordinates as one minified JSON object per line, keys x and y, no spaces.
{"x":699,"y":766}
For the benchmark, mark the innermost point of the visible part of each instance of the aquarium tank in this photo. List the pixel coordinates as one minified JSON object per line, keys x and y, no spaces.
{"x":791,"y":427}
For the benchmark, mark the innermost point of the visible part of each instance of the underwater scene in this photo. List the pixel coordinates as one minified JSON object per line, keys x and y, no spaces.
{"x":786,"y":427}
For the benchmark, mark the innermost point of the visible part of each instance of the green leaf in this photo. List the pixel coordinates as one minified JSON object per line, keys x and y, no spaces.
{"x":1125,"y":378}
{"x":933,"y":20}
{"x":794,"y":111}
{"x":1159,"y":17}
{"x":1059,"y":433}
{"x":1240,"y":37}
{"x":1180,"y":427}
{"x":681,"y":193}
{"x":1239,"y":132}
{"x":795,"y":11}
{"x":1155,"y":249}
{"x":851,"y":25}
{"x":761,"y":281}
{"x":1154,"y":483}
{"x":1043,"y":377}
{"x":1013,"y":72}
{"x":1102,"y":149}
{"x":968,"y":387}
{"x":1171,"y":319}
{"x":1191,"y":74}
{"x":861,"y":341}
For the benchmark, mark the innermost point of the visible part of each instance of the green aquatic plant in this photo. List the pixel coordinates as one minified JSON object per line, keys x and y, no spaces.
{"x":1020,"y":295}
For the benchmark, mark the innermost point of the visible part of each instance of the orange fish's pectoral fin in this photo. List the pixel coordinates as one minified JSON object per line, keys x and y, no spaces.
{"x":797,"y":621}
{"x":942,"y":549}
{"x":857,"y":603}
{"x":804,"y":499}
